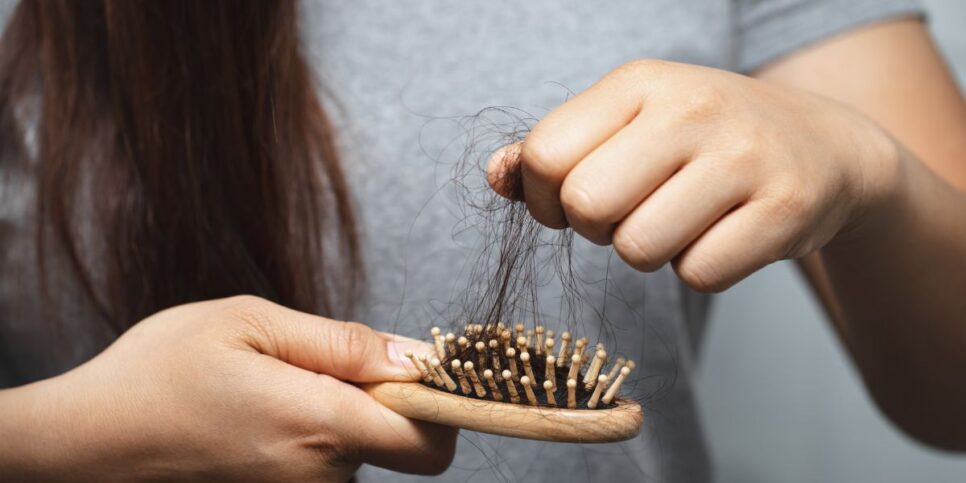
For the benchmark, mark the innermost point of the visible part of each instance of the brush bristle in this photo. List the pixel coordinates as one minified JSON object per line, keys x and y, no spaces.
{"x":515,"y":363}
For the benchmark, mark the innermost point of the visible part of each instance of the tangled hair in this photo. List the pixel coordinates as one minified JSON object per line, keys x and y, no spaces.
{"x":517,"y":256}
{"x":514,"y":258}
{"x":189,"y":135}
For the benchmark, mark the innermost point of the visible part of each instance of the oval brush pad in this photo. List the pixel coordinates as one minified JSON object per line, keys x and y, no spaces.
{"x":490,"y":381}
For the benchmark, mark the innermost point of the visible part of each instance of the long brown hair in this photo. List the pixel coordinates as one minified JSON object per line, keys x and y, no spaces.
{"x":188,"y":134}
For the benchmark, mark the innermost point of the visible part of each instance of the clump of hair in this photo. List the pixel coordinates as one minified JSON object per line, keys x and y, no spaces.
{"x":497,"y":321}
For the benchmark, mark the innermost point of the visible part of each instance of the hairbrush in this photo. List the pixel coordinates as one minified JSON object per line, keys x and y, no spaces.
{"x":517,"y":383}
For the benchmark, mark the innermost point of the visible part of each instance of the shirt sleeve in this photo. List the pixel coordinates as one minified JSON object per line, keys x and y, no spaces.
{"x":770,"y":29}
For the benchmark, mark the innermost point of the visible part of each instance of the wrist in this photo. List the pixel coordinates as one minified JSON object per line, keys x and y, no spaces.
{"x":883,"y":167}
{"x":32,"y":422}
{"x":55,"y":430}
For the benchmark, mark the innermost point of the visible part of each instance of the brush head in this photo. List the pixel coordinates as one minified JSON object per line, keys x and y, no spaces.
{"x":523,"y":392}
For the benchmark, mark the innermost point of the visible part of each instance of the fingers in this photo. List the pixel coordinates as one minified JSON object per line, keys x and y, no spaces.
{"x":503,"y":171}
{"x":563,"y":138}
{"x":678,"y":212}
{"x":348,"y":351}
{"x":613,"y":179}
{"x":736,"y":246}
{"x":371,"y":433}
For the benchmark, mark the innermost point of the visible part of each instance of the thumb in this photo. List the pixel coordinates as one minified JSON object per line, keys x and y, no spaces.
{"x":503,"y":171}
{"x":349,"y":351}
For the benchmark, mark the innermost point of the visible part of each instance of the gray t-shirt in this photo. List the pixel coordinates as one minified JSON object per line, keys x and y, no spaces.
{"x":402,"y":76}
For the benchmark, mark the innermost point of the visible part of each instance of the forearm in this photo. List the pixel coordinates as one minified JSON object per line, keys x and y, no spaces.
{"x":29,"y":441}
{"x":53,"y":430}
{"x":899,"y":285}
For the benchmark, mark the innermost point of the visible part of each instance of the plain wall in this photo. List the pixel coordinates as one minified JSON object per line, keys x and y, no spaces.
{"x":779,"y":398}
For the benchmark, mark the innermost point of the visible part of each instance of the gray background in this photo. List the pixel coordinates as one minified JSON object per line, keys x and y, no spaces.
{"x":779,"y":398}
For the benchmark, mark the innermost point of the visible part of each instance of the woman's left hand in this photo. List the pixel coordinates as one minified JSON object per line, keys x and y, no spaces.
{"x":716,"y":172}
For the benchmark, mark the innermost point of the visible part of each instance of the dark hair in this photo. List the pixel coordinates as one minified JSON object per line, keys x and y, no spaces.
{"x":190,"y":135}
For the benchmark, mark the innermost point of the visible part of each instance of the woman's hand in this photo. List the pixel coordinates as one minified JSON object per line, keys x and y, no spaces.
{"x":237,"y":388}
{"x":719,"y":173}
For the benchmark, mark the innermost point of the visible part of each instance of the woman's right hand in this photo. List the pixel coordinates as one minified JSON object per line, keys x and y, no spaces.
{"x":236,"y":388}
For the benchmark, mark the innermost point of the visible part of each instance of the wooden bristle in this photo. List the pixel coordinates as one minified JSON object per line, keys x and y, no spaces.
{"x":487,"y":356}
{"x":526,"y":382}
{"x":601,"y":382}
{"x":474,"y":378}
{"x":438,"y":342}
{"x":505,"y":337}
{"x":434,"y":373}
{"x":564,"y":354}
{"x":549,"y":388}
{"x":618,"y":364}
{"x":538,"y":344}
{"x":589,"y":354}
{"x":527,"y":369}
{"x":613,"y":389}
{"x":420,"y":366}
{"x":458,"y":370}
{"x":551,"y":373}
{"x":511,"y":388}
{"x":481,"y":354}
{"x":579,"y":346}
{"x":451,"y":343}
{"x":494,"y":345}
{"x":494,"y":389}
{"x":448,"y":381}
{"x":548,"y":347}
{"x":572,"y":393}
{"x":574,"y":367}
{"x":590,"y":379}
{"x":511,"y":361}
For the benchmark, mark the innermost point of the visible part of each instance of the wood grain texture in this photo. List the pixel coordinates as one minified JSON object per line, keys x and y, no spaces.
{"x":417,"y":401}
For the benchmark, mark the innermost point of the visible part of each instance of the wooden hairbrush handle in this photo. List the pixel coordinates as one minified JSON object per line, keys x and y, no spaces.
{"x":417,"y":401}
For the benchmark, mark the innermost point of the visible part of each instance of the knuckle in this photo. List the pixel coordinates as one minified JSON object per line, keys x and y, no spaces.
{"x":578,"y":205}
{"x":540,"y":157}
{"x":644,"y":67}
{"x":748,"y":142}
{"x":700,"y":272}
{"x":440,"y":459}
{"x":355,"y":340}
{"x":635,"y":74}
{"x":637,"y":249}
{"x":251,"y":313}
{"x":245,"y":301}
{"x":703,"y":102}
{"x":436,"y":451}
{"x":789,"y":203}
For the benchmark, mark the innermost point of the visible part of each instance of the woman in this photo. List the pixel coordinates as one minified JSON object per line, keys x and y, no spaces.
{"x":168,"y":155}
